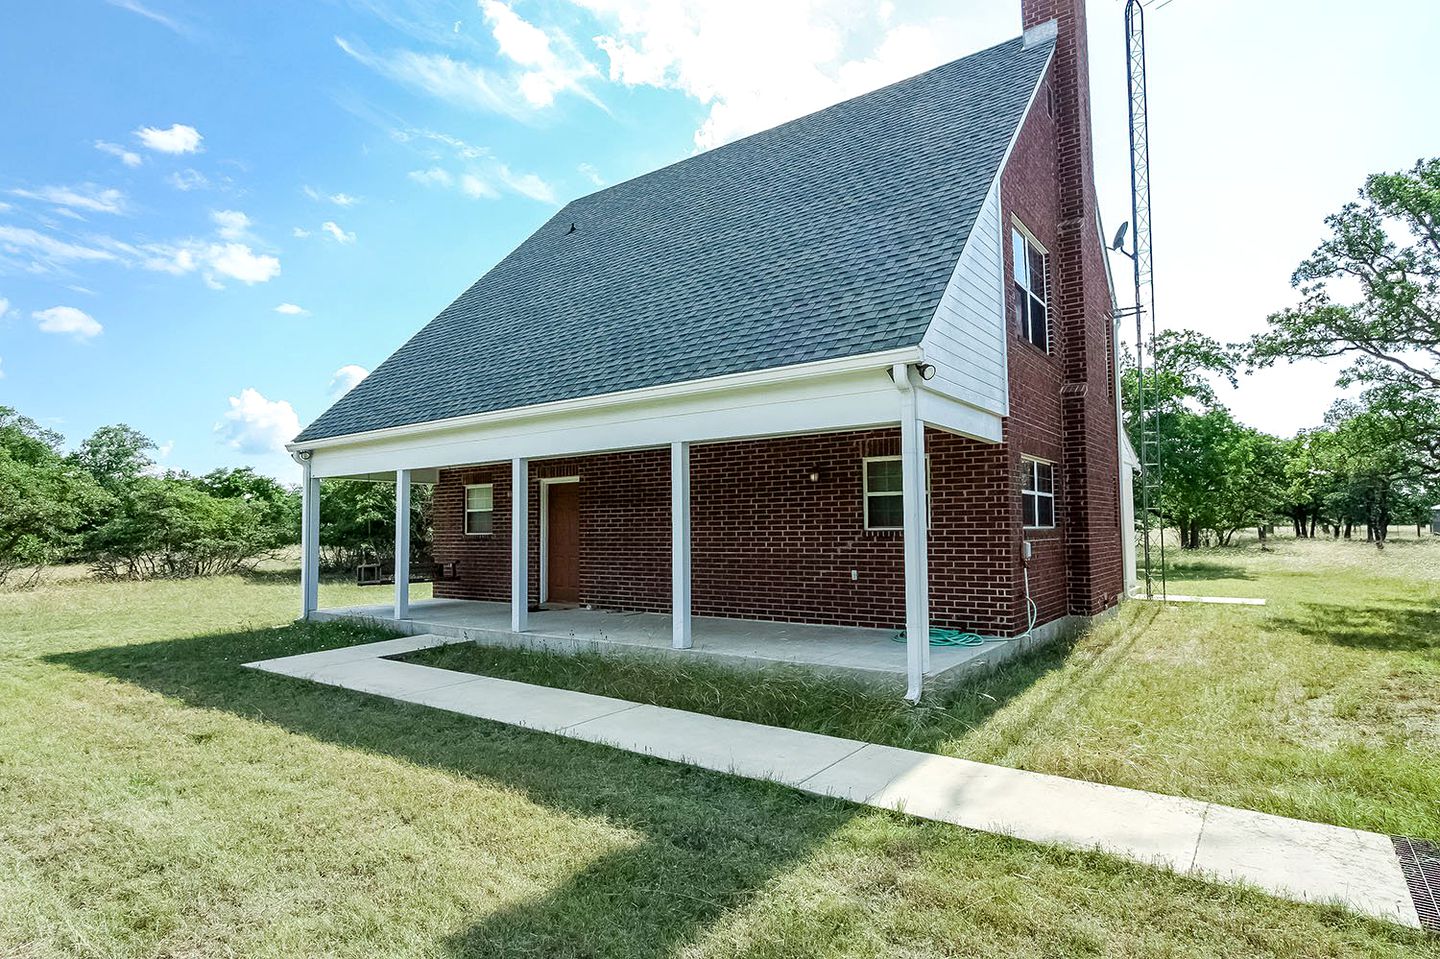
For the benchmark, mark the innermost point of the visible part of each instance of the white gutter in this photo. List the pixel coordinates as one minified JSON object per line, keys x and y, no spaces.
{"x":730,"y":381}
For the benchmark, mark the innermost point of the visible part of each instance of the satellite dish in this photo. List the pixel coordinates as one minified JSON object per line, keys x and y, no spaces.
{"x":1119,"y":243}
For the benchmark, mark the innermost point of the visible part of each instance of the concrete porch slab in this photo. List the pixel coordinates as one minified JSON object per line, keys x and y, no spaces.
{"x":870,"y":655}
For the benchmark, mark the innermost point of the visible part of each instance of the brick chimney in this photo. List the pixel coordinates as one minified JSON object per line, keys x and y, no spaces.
{"x":1082,"y":311}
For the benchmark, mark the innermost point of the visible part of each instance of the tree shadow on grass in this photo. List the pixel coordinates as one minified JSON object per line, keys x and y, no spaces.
{"x":1397,"y":626}
{"x":1205,"y":571}
{"x":711,"y":841}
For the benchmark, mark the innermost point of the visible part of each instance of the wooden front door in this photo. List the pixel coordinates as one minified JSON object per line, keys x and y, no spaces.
{"x":562,"y":547}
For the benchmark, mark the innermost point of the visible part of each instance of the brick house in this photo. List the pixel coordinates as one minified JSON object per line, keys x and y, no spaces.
{"x":858,"y":370}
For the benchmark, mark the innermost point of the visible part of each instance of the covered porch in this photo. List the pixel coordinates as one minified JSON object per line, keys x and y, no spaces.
{"x":522,"y":463}
{"x":870,"y":655}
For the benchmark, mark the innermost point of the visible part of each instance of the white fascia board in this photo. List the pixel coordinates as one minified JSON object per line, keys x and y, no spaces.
{"x":715,"y":384}
{"x":855,"y":399}
{"x":952,"y":416}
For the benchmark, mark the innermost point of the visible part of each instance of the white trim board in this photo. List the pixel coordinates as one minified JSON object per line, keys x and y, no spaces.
{"x":852,"y":400}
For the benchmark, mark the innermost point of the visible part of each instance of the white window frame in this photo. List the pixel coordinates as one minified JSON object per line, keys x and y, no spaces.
{"x":865,"y":493}
{"x":465,"y":510}
{"x":1030,"y":476}
{"x":1019,"y":236}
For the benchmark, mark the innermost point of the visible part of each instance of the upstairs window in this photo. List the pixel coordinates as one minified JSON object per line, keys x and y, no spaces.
{"x":884,"y":497}
{"x":1032,"y":301}
{"x":1037,"y":493}
{"x":479,"y":510}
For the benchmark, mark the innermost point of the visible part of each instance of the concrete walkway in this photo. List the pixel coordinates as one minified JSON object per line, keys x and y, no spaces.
{"x":1287,"y":857}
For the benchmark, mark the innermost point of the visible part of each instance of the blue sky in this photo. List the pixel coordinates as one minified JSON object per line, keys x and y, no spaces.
{"x":215,"y":216}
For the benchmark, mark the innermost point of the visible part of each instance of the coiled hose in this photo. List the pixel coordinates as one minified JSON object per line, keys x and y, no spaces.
{"x":957,"y":637}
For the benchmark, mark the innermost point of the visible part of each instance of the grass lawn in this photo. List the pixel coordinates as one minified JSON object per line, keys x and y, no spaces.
{"x":1322,"y":705}
{"x":158,"y":800}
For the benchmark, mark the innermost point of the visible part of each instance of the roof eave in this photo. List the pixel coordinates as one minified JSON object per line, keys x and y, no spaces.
{"x":715,"y":384}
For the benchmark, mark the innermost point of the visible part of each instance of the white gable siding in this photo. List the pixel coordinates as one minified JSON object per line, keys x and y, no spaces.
{"x":966,"y":338}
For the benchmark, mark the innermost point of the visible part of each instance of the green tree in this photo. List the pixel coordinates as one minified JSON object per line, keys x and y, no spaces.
{"x":115,"y":456}
{"x":44,"y":499}
{"x":357,"y":523}
{"x":1387,"y":242}
{"x":1219,"y":476}
{"x":170,"y":528}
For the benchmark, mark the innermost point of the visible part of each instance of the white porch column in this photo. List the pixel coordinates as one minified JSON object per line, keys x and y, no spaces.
{"x":917,"y":578}
{"x":402,"y":544}
{"x":309,"y":540}
{"x":681,"y":637}
{"x":519,"y":545}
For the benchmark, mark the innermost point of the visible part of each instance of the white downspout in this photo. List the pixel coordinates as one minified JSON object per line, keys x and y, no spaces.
{"x":912,"y":485}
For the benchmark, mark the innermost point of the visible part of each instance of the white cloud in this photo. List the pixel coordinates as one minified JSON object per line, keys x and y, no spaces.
{"x":756,"y":63}
{"x":344,"y":379}
{"x":257,"y":425}
{"x":239,"y":262}
{"x":299,"y":233}
{"x":476,"y":188}
{"x":68,"y":320}
{"x":4,"y":307}
{"x":526,"y":184}
{"x":188,"y":179}
{"x":432,"y":177}
{"x":85,"y":196}
{"x":234,"y":260}
{"x":128,"y":157}
{"x":590,"y":173}
{"x":483,"y":170}
{"x":164,"y":449}
{"x":544,"y":72}
{"x":230,"y":224}
{"x":336,"y":233}
{"x":339,"y":199}
{"x":542,"y":65}
{"x":2,"y":368}
{"x":134,"y":6}
{"x":47,"y":249}
{"x":179,"y":138}
{"x":290,"y":309}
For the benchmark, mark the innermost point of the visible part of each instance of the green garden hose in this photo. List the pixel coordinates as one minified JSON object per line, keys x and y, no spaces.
{"x":946,"y":637}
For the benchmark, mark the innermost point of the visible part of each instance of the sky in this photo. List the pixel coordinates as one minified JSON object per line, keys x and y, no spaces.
{"x":217,"y":217}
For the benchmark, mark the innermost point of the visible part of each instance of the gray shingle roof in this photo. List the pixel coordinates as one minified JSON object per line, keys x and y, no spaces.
{"x":829,"y":236}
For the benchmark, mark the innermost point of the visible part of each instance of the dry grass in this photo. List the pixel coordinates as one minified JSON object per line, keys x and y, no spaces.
{"x":158,"y":800}
{"x":1323,"y":705}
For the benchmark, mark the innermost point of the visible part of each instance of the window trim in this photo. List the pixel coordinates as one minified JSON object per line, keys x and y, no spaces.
{"x":865,"y":493}
{"x":1030,"y":463}
{"x":465,"y":509}
{"x":1018,"y":229}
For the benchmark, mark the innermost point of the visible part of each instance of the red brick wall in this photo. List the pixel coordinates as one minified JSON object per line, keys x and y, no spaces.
{"x":1063,"y":404}
{"x":768,"y":543}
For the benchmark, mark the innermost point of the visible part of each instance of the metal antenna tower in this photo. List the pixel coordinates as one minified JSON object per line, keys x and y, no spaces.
{"x":1148,"y":414}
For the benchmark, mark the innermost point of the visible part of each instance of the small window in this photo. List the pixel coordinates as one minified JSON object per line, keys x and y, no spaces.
{"x":884,"y":493}
{"x":480,"y":510}
{"x":1037,"y":494}
{"x":1032,"y":301}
